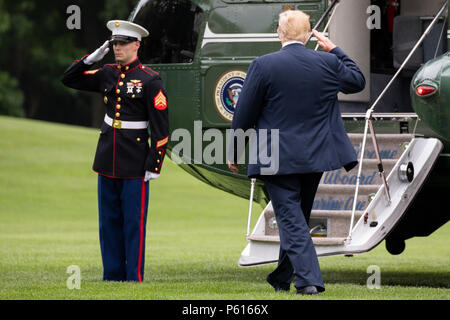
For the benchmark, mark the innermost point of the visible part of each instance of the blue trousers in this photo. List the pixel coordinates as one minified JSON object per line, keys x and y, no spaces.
{"x":292,"y":198}
{"x":122,"y":207}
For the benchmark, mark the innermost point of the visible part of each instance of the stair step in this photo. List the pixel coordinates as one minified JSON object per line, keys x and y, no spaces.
{"x":318,"y":241}
{"x":337,"y":200}
{"x":340,"y":197}
{"x":336,"y":221}
{"x":369,"y":173}
{"x":347,"y":189}
{"x":264,"y":238}
{"x":335,"y":214}
{"x":390,"y":145}
{"x":372,"y":163}
{"x":382,"y":137}
{"x":323,"y":213}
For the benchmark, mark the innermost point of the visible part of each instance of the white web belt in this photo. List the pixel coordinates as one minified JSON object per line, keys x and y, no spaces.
{"x":119,"y":124}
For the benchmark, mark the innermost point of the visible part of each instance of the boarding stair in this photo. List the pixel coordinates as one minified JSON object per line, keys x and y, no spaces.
{"x":403,"y":162}
{"x":331,"y":215}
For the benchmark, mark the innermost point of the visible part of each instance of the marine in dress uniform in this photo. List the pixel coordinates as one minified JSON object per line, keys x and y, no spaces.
{"x":295,"y":91}
{"x":136,"y":104}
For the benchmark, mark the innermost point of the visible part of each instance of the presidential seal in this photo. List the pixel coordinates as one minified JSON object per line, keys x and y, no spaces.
{"x":227,"y":91}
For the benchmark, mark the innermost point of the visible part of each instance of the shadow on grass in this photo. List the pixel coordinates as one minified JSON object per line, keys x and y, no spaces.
{"x":257,"y":275}
{"x":390,"y":278}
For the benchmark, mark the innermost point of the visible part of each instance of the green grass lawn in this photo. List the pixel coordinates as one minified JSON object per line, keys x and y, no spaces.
{"x":195,"y":234}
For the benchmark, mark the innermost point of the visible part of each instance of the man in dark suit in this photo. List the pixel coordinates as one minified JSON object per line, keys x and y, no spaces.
{"x":135,"y":100}
{"x":294,"y":91}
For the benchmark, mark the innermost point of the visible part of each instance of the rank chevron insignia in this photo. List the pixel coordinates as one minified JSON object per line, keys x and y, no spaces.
{"x":160,"y":101}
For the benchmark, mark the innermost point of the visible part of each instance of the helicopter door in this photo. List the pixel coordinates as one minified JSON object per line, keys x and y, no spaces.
{"x":414,"y":18}
{"x":349,"y":30}
{"x":171,"y":50}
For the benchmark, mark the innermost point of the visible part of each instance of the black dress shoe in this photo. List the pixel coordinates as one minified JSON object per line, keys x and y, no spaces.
{"x":308,"y":290}
{"x":278,"y":286}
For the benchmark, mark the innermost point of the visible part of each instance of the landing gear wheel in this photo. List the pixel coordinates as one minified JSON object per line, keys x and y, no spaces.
{"x":395,"y":246}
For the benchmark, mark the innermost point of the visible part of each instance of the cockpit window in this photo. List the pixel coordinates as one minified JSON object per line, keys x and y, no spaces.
{"x":174,"y":27}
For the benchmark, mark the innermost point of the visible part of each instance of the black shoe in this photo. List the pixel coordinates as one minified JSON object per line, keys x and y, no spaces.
{"x":308,"y":290}
{"x":278,"y":286}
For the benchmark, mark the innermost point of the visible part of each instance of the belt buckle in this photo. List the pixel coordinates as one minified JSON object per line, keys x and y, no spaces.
{"x":117,"y":124}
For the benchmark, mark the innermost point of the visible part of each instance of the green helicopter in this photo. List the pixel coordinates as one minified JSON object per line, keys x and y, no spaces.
{"x":202,"y":49}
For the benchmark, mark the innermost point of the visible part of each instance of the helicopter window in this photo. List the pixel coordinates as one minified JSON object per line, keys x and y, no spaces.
{"x":381,"y":39}
{"x":174,"y":27}
{"x":402,"y":24}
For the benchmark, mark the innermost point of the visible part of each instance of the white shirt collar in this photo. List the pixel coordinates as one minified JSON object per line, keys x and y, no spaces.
{"x":291,"y":42}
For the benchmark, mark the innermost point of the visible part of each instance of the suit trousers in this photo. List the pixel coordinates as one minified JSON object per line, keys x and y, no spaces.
{"x":122,"y":207}
{"x":292,"y":198}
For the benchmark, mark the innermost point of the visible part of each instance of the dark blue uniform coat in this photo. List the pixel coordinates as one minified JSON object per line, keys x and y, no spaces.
{"x":132,"y":92}
{"x":295,"y":90}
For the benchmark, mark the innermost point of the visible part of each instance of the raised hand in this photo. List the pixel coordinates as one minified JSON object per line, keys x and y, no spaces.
{"x":98,"y":54}
{"x":325,"y":43}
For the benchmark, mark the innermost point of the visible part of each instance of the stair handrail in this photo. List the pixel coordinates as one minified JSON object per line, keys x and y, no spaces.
{"x":368,"y":124}
{"x":249,"y":219}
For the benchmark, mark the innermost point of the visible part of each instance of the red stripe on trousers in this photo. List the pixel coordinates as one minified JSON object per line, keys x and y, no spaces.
{"x":114,"y":152}
{"x":141,"y":239}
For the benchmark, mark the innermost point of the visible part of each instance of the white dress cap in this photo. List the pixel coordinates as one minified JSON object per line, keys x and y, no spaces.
{"x":126,"y":31}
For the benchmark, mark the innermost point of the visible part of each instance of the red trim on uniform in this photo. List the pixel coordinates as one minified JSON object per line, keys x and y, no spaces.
{"x":152,"y":72}
{"x":131,"y":69}
{"x":91,"y":71}
{"x":147,"y":72}
{"x":114,"y":139}
{"x":122,"y":67}
{"x":141,"y":237}
{"x":162,"y":142}
{"x":114,"y":66}
{"x":160,"y":160}
{"x":81,"y":59}
{"x":130,"y":62}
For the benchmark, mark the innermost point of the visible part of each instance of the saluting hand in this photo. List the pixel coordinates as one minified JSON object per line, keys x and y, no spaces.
{"x":325,"y":43}
{"x":98,"y":54}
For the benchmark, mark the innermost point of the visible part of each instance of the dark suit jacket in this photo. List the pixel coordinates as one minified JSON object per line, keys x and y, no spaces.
{"x":295,"y":90}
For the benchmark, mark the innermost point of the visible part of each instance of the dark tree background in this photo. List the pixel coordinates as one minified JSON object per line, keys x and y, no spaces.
{"x":36,"y":47}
